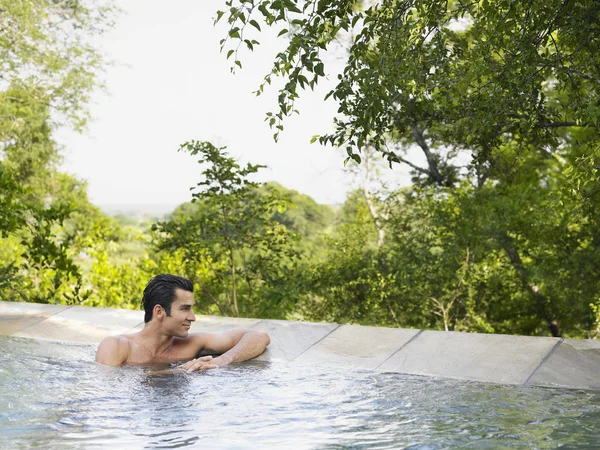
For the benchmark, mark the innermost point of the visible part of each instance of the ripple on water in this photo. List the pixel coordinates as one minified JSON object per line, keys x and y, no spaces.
{"x":54,"y":395}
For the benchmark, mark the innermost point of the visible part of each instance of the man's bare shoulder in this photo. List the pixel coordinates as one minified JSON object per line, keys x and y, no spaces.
{"x":113,"y":350}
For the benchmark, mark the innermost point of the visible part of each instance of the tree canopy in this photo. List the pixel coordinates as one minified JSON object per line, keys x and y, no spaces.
{"x":502,"y":99}
{"x":48,"y":65}
{"x":448,"y":76}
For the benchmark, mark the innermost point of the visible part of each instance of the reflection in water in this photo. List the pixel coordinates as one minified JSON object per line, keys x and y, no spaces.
{"x":53,"y":395}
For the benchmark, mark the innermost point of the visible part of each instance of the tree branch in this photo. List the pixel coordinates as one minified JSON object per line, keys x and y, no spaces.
{"x":433,"y":171}
{"x":541,"y":301}
{"x":558,"y":124}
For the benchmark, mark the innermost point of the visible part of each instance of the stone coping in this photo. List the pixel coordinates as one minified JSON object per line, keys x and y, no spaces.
{"x":504,"y":359}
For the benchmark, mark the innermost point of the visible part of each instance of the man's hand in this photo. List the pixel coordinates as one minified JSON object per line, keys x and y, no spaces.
{"x":198,"y":364}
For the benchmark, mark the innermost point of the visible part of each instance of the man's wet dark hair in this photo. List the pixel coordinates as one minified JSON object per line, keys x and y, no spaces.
{"x":161,"y":291}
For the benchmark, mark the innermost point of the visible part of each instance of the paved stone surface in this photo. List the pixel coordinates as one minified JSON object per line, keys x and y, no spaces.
{"x":213,"y":323}
{"x":290,"y":339}
{"x":13,"y":323}
{"x":30,"y":308}
{"x":481,"y":357}
{"x":575,"y":363}
{"x":217,"y":323}
{"x":16,"y":316}
{"x":83,"y":324}
{"x":357,"y":346}
{"x":57,"y":329}
{"x":106,"y":317}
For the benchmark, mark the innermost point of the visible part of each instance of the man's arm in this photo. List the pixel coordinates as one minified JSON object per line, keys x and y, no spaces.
{"x":113,"y":351}
{"x":235,"y":345}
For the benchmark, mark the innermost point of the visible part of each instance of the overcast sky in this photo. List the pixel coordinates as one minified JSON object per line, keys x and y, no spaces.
{"x":171,"y":84}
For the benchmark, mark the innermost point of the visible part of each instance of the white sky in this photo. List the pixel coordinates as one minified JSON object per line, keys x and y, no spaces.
{"x":172,"y":85}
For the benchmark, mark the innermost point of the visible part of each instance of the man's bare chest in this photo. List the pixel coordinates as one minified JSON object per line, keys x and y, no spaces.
{"x":140,"y":355}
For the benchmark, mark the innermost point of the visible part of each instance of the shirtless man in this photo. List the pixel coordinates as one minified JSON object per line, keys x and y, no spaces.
{"x":168,"y":301}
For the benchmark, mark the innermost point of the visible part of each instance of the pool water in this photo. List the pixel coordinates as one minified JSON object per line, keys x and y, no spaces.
{"x":54,"y":396}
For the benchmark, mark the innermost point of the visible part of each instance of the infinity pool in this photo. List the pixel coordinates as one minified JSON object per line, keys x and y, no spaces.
{"x":54,"y":396}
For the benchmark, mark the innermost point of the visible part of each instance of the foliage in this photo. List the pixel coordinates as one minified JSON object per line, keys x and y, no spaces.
{"x":348,"y":286}
{"x":38,"y":200}
{"x":47,"y":50}
{"x":48,"y":66}
{"x":470,"y":72}
{"x":232,"y":235}
{"x":449,"y":262}
{"x":499,"y":232}
{"x":303,"y":215}
{"x":501,"y":98}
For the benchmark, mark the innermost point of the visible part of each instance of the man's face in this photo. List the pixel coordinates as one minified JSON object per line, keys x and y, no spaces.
{"x":182,"y":314}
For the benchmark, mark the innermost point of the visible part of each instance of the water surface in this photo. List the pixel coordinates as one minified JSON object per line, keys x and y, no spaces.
{"x":54,"y":396}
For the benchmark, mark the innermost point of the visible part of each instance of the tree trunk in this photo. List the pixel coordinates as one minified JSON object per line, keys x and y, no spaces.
{"x":375,"y":214}
{"x":235,"y":305}
{"x":376,"y":217}
{"x":232,"y":262}
{"x":432,"y":163}
{"x":540,"y":299}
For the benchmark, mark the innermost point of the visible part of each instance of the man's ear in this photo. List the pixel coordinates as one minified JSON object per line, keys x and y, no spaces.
{"x":158,"y":312}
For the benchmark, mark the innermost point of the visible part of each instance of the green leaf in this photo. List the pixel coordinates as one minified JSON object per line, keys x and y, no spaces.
{"x":319,"y":69}
{"x":291,"y":6}
{"x":255,"y":24}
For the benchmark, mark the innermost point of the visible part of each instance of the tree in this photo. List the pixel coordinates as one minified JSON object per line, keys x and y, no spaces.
{"x":232,"y":235}
{"x":348,"y":284}
{"x":368,"y":175}
{"x":47,"y":49}
{"x":496,"y":94}
{"x":48,"y":67}
{"x":462,"y":74}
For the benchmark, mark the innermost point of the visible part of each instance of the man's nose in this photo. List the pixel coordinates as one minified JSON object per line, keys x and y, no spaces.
{"x":192,"y":317}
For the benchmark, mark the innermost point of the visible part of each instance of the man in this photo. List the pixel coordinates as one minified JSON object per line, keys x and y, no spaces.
{"x":168,"y":304}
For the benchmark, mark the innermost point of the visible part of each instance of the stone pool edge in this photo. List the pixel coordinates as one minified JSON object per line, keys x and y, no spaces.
{"x":503,"y":359}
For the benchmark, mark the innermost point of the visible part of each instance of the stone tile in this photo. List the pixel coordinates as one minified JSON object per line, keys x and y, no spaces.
{"x":58,"y":329}
{"x":357,"y":346}
{"x":83,"y":324}
{"x":574,"y":364}
{"x":210,"y":324}
{"x":12,"y":323}
{"x":16,"y":316}
{"x":290,"y":339}
{"x":105,"y":317}
{"x":218,"y":323}
{"x":470,"y":356}
{"x":30,"y":308}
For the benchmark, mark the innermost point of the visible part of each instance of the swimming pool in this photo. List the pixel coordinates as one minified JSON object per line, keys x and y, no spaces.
{"x":53,"y":395}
